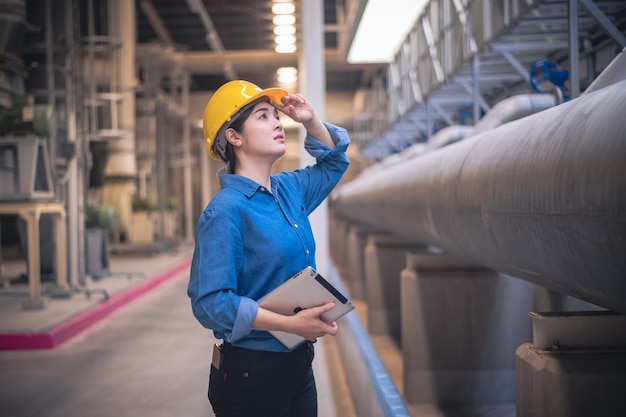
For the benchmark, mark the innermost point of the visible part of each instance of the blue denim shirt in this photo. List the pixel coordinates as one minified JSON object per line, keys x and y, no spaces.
{"x":250,"y":240}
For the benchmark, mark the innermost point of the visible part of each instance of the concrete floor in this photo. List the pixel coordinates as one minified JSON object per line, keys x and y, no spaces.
{"x":151,"y":356}
{"x":148,"y":358}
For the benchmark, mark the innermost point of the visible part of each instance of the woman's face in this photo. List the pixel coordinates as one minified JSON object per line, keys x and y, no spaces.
{"x":263,"y":133}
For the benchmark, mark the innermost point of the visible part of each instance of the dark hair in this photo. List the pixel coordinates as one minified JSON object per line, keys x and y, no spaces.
{"x":237,"y":125}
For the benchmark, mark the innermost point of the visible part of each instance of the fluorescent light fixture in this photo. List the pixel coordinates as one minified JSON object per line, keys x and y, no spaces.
{"x":285,"y":39}
{"x":284,"y":26}
{"x":285,"y":48}
{"x":283,"y":8}
{"x":383,"y":27}
{"x":284,"y":30}
{"x":284,"y":19}
{"x":287,"y":75}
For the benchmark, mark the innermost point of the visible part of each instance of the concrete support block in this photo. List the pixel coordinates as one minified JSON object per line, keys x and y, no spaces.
{"x":385,"y":258}
{"x":575,"y":366}
{"x":338,"y":236}
{"x":461,"y":325}
{"x":570,"y":384}
{"x":354,"y":273}
{"x":548,"y":300}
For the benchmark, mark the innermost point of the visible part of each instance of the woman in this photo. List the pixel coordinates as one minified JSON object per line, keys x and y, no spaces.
{"x":253,"y":236}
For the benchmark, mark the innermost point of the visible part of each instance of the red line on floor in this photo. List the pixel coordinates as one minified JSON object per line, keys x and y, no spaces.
{"x":74,"y":326}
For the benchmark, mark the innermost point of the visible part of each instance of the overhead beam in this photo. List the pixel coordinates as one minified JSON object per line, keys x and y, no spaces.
{"x":605,"y":22}
{"x":156,"y":22}
{"x":213,"y":38}
{"x":201,"y":62}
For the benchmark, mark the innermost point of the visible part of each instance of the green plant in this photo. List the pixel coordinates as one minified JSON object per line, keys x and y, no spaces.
{"x":99,"y":217}
{"x":172,"y":204}
{"x":144,"y":204}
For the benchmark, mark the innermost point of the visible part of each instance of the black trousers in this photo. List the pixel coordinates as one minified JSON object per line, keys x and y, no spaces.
{"x":260,"y":383}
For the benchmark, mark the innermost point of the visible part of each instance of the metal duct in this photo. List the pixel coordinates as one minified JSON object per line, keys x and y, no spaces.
{"x":542,"y":198}
{"x":449,"y":135}
{"x":514,"y":108}
{"x":442,"y":138}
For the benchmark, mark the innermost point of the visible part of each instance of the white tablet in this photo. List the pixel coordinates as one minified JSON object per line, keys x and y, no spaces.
{"x":304,"y":290}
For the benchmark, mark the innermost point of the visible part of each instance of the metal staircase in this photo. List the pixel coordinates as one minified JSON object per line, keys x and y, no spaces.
{"x":472,"y":54}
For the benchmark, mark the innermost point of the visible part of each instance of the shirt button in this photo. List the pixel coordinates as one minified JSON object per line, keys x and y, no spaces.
{"x":306,"y":251}
{"x":262,"y":189}
{"x":295,"y":225}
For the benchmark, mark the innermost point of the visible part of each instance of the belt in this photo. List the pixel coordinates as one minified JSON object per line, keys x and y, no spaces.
{"x":226,"y":346}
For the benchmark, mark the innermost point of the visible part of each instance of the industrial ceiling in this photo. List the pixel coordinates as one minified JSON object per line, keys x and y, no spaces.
{"x":244,"y":29}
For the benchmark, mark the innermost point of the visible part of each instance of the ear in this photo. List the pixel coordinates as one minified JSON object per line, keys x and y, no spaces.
{"x":233,"y":137}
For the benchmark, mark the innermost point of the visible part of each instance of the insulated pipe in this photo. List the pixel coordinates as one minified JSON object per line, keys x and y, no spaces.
{"x":514,"y":108}
{"x":449,"y":135}
{"x":541,"y":198}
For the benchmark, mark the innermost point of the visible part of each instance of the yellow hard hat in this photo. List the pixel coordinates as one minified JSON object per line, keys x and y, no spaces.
{"x":223,"y":108}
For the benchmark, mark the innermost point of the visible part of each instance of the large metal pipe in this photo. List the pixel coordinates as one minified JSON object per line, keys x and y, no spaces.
{"x":514,"y":108}
{"x":541,"y":198}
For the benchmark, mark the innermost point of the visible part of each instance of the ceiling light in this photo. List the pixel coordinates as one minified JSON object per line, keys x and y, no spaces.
{"x":285,"y":48}
{"x":287,"y":75}
{"x":283,"y":8}
{"x":284,"y":19}
{"x":285,"y":39}
{"x":284,"y":30}
{"x":381,"y":16}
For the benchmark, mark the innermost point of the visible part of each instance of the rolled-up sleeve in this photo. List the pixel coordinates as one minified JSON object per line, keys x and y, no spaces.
{"x":212,"y":285}
{"x":319,"y":150}
{"x":318,"y":180}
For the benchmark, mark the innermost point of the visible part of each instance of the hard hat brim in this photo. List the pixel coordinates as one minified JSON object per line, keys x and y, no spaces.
{"x":274,"y":94}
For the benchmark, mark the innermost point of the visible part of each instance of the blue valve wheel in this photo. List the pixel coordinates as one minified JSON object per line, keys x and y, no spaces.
{"x":546,"y":68}
{"x":546,"y":71}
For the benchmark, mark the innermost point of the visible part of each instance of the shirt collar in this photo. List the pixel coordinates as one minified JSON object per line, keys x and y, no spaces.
{"x":240,"y":183}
